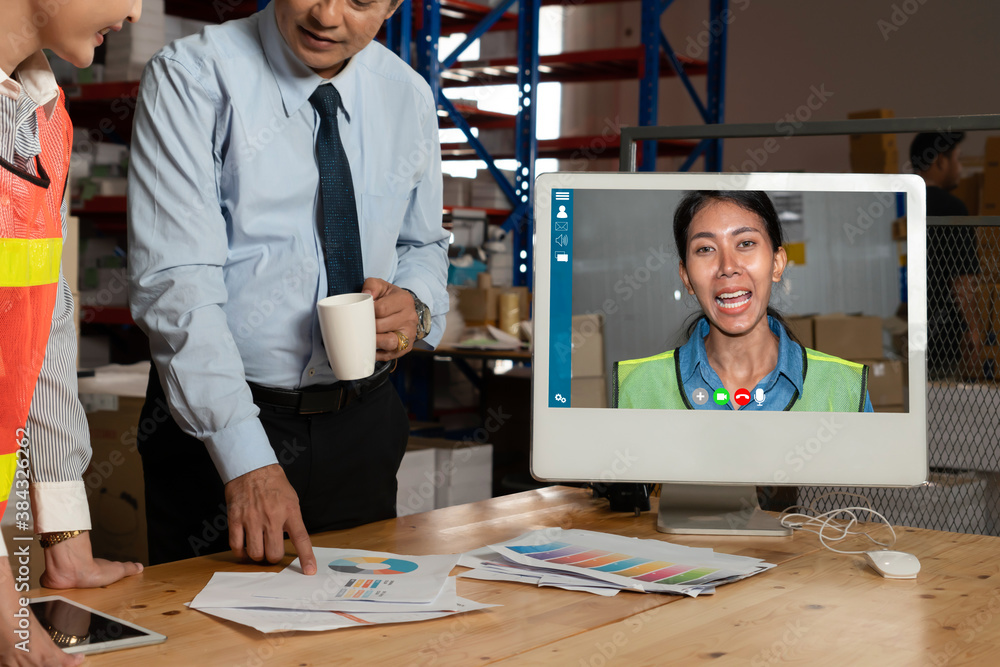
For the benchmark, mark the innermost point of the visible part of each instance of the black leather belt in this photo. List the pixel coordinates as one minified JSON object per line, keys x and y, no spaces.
{"x":321,"y":398}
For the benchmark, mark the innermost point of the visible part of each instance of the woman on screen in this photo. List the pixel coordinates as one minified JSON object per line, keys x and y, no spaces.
{"x":740,"y":354}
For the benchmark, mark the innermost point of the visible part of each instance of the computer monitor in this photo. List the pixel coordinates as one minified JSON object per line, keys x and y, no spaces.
{"x":615,"y":396}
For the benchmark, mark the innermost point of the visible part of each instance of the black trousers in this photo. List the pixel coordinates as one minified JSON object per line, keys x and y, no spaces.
{"x":342,"y":465}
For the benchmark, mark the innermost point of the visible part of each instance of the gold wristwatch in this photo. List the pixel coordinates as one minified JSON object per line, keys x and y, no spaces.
{"x":51,"y":539}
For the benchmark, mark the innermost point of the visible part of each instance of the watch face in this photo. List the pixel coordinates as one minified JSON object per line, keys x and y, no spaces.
{"x":425,"y":319}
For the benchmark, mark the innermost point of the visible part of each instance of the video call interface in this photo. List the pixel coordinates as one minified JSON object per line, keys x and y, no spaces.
{"x":621,"y":312}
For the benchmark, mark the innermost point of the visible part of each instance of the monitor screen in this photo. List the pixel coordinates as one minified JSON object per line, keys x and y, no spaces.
{"x":734,"y":328}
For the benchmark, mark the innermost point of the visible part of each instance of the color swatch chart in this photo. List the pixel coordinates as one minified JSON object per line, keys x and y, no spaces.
{"x":620,"y":564}
{"x":363,"y":589}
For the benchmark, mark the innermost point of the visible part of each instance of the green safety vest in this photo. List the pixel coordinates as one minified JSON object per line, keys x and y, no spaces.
{"x":830,"y":384}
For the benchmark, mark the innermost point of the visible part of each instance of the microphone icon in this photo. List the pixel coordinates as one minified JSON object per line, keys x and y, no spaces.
{"x":758,"y":396}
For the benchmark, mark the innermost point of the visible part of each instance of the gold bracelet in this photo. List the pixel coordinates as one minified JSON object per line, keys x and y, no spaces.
{"x":51,"y":539}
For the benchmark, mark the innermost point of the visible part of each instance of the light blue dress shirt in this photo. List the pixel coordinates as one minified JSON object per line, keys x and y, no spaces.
{"x":225,"y":258}
{"x":779,"y":386}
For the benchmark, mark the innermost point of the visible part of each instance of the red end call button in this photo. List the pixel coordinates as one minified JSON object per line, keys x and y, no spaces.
{"x":742,"y":397}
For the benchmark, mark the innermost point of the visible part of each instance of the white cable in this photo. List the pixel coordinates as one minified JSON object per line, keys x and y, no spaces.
{"x":829,"y":528}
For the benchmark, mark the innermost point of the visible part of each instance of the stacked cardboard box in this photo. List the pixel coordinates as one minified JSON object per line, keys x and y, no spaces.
{"x":859,"y":338}
{"x":874,"y":153}
{"x":989,"y":203}
{"x":438,"y":473}
{"x":457,"y":191}
{"x":480,"y":305}
{"x":486,"y":193}
{"x":589,"y":384}
{"x":848,"y":336}
{"x":415,"y":492}
{"x":802,"y":327}
{"x":969,"y":190}
{"x":129,"y":50}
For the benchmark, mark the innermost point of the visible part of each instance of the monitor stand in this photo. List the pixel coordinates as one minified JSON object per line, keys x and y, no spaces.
{"x":708,"y":509}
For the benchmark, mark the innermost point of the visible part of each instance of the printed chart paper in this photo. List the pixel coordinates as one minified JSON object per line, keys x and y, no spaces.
{"x":353,"y":575}
{"x":651,"y":566}
{"x":288,"y":620}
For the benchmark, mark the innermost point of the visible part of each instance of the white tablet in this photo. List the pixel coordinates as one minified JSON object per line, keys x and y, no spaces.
{"x":79,"y":629}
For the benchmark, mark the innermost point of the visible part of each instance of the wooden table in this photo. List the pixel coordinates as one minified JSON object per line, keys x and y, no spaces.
{"x":816,"y":607}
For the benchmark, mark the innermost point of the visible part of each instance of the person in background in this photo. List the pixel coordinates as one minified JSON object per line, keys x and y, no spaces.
{"x":954,"y":323}
{"x":277,"y":160}
{"x":730,"y":244}
{"x":39,"y":405}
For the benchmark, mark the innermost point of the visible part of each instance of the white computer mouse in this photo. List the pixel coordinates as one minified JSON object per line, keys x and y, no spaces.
{"x":894,"y":564}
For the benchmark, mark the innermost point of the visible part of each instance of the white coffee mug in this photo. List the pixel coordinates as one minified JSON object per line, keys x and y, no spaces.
{"x":348,"y":325}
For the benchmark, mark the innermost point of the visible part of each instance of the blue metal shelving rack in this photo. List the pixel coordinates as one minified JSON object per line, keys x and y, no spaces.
{"x":519,"y":222}
{"x":712,"y":112}
{"x":655,"y":45}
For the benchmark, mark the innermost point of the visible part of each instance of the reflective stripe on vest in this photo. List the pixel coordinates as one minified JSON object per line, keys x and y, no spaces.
{"x":830,"y":384}
{"x":29,"y":262}
{"x":8,"y":467}
{"x":30,"y":253}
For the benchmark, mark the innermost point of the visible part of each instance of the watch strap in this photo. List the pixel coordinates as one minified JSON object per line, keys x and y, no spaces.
{"x":423,"y":328}
{"x":51,"y":539}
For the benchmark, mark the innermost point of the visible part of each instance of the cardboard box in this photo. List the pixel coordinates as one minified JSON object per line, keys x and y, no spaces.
{"x":114,"y":483}
{"x":875,"y":161}
{"x":462,"y":470}
{"x":591,"y":392}
{"x":873,"y":143}
{"x":415,"y":491}
{"x":991,"y":153}
{"x":989,"y":203}
{"x":873,"y":153}
{"x":802,"y":327}
{"x":969,"y":190}
{"x":871,"y":113}
{"x":848,"y":336}
{"x":588,"y":346}
{"x":480,"y":306}
{"x":989,"y":200}
{"x":885,"y":381}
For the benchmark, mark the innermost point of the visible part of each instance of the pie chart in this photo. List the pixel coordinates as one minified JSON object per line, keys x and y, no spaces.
{"x":372,"y":565}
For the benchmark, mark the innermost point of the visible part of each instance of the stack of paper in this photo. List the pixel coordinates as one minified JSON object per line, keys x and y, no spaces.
{"x":352,"y":588}
{"x":604,"y":564}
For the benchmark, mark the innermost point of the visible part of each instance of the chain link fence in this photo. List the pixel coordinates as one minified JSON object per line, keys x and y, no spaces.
{"x":963,"y":390}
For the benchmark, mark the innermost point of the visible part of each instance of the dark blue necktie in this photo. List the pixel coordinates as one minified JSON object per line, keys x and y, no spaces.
{"x":339,"y":212}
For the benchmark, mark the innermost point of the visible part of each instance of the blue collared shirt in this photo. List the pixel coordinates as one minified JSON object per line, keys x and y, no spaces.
{"x":225,"y":257}
{"x":779,"y":386}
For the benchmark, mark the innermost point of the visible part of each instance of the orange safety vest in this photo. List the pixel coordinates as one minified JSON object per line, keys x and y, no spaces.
{"x":30,"y":253}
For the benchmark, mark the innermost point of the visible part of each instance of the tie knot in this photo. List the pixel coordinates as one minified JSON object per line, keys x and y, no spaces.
{"x":326,"y":100}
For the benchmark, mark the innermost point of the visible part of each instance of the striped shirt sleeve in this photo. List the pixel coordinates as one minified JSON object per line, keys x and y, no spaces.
{"x":57,"y":427}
